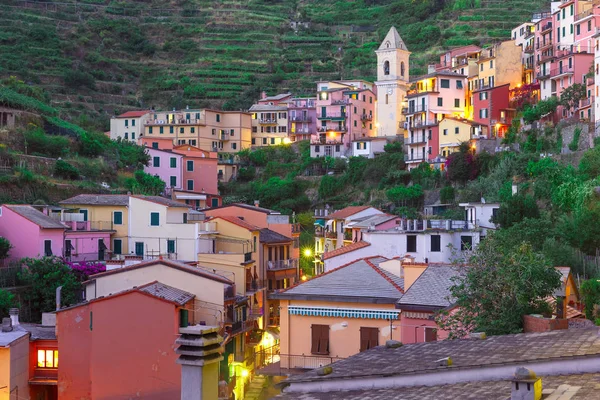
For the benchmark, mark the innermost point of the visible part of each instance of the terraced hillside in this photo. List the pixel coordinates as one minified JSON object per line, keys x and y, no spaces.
{"x":97,"y":57}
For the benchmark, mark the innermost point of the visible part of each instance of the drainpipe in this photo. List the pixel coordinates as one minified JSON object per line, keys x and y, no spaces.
{"x":58,"y":297}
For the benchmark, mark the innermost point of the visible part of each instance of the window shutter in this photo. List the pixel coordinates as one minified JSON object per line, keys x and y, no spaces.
{"x":374,"y":342}
{"x":315,"y":336}
{"x":324,"y":344}
{"x":364,"y":339}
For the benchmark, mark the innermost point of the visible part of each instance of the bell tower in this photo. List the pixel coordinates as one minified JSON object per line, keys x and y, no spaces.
{"x":392,"y":84}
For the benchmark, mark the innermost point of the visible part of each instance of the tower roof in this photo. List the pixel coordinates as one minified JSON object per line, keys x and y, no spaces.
{"x":393,"y":41}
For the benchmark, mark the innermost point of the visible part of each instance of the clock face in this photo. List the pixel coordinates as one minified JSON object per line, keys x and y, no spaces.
{"x":390,"y":91}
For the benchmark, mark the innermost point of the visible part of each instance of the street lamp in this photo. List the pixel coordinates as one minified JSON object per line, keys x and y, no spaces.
{"x":307,"y":252}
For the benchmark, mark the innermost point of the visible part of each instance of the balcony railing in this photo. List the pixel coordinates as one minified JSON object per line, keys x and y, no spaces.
{"x":584,"y":102}
{"x":266,"y":121}
{"x":324,"y":141}
{"x":242,"y":326}
{"x":282,"y":264}
{"x":366,"y":117}
{"x":340,"y":102}
{"x":296,"y":228}
{"x":174,"y":121}
{"x":332,"y":115}
{"x":528,"y":49}
{"x":338,"y":128}
{"x":542,"y":74}
{"x":584,"y":14}
{"x":255,"y":285}
{"x":546,"y":27}
{"x":417,"y":140}
{"x":289,"y":361}
{"x":302,"y":131}
{"x":331,"y":235}
{"x":562,"y":70}
{"x":301,"y":118}
{"x":428,"y":89}
{"x":415,"y":109}
{"x":414,"y":157}
{"x":423,"y":123}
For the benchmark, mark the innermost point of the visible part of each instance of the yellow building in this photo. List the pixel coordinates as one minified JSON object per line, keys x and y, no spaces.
{"x":105,"y":212}
{"x":211,"y":130}
{"x":453,"y":132}
{"x":269,"y":125}
{"x":498,"y":65}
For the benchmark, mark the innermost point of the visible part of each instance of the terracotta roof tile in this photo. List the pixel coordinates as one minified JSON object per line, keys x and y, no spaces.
{"x":133,"y":114}
{"x":347,"y":212}
{"x":237,"y":221}
{"x":345,"y":249}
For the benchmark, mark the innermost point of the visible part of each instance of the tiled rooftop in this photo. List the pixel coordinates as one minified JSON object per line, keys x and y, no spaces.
{"x":35,"y":216}
{"x":432,"y":287}
{"x":269,"y":236}
{"x":585,"y":387}
{"x":345,"y":249}
{"x":466,"y":354}
{"x":98,"y":199}
{"x":167,"y":292}
{"x":347,"y":212}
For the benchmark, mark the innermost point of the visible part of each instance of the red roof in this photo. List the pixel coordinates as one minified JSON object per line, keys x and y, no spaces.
{"x":237,"y":221}
{"x":133,"y":114}
{"x":345,"y":249}
{"x":347,"y":212}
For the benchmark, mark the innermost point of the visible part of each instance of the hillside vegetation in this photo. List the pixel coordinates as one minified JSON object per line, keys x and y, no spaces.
{"x":98,"y":57}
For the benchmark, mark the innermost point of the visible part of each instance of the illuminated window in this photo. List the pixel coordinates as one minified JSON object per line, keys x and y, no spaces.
{"x":47,"y":358}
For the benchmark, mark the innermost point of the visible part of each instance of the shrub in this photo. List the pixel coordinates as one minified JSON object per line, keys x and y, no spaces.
{"x":76,"y":79}
{"x":5,"y":247}
{"x":50,"y":146}
{"x":447,"y":195}
{"x":65,"y":170}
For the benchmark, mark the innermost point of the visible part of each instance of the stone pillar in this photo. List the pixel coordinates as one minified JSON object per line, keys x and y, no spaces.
{"x":199,"y":352}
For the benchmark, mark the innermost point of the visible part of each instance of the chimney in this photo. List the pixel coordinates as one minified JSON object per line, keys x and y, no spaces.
{"x":431,"y":68}
{"x":6,"y":325}
{"x":14,"y":316}
{"x":263,"y":95}
{"x":526,"y":385}
{"x":256,"y":203}
{"x":200,"y":352}
{"x":58,"y":292}
{"x":393,"y":266}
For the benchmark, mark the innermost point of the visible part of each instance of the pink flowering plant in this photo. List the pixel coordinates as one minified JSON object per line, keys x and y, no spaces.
{"x":83,"y":269}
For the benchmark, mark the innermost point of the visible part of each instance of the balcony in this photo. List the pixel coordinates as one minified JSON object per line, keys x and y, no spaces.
{"x":560,"y":71}
{"x":302,"y":104}
{"x":324,"y":141}
{"x":417,"y":140}
{"x":366,"y":117}
{"x":301,"y":118}
{"x":332,"y":116}
{"x":543,"y":74}
{"x":528,"y":49}
{"x":229,"y":293}
{"x":583,"y":103}
{"x":544,"y":45}
{"x":241,"y":326}
{"x":331,"y":235}
{"x":546,"y":27}
{"x":282,"y":264}
{"x":268,"y":121}
{"x":584,"y":14}
{"x":303,"y":362}
{"x":423,"y":123}
{"x":254,"y":285}
{"x":323,"y":212}
{"x":338,"y":128}
{"x":255,"y":313}
{"x":302,"y":131}
{"x":415,"y":109}
{"x":423,"y":90}
{"x":412,"y":158}
{"x":340,"y":102}
{"x":296,"y":228}
{"x":547,"y":57}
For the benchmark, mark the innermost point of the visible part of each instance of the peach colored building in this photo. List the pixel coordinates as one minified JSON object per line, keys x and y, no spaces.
{"x":122,"y":344}
{"x":340,"y":313}
{"x":199,"y":169}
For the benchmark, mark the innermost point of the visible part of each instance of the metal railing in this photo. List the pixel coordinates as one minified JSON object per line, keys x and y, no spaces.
{"x":414,"y":157}
{"x":546,"y":27}
{"x":294,"y":361}
{"x":241,"y":326}
{"x":331,"y":115}
{"x":323,"y":212}
{"x":366,"y":117}
{"x":267,"y":121}
{"x":282,"y":264}
{"x":296,"y":228}
{"x":565,"y":69}
{"x":255,"y":285}
{"x":415,"y":109}
{"x":301,"y":118}
{"x":338,"y":128}
{"x":416,"y":140}
{"x":584,"y":14}
{"x":340,"y":102}
{"x":422,"y":123}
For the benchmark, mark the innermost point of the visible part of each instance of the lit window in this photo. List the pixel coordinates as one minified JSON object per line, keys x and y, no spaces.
{"x":47,"y":358}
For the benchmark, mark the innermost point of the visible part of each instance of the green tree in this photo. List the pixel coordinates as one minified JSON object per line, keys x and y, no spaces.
{"x":515,"y":209}
{"x":541,"y":109}
{"x":405,"y":195}
{"x":146,"y":184}
{"x":496,"y":289}
{"x":589,"y":166}
{"x":43,"y":276}
{"x":571,"y":96}
{"x":6,"y":302}
{"x":590,"y":295}
{"x":462,"y":166}
{"x":5,"y":247}
{"x":65,"y":170}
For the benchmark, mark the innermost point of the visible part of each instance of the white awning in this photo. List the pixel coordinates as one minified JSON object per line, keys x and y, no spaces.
{"x":191,"y":196}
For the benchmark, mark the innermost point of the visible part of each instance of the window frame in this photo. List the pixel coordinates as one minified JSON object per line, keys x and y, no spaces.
{"x":319,"y":339}
{"x":436,"y":245}
{"x":409,"y":245}
{"x":44,"y":351}
{"x":120,"y":213}
{"x":152,"y":214}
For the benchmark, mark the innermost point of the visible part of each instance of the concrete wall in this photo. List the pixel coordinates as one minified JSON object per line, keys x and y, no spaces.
{"x":205,"y":289}
{"x":14,"y":372}
{"x":110,"y":350}
{"x":102,"y":216}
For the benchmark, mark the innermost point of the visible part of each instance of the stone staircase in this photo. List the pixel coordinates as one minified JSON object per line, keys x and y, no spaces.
{"x":256,"y":389}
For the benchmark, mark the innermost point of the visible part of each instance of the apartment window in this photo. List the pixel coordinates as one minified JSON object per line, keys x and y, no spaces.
{"x":171,"y":129}
{"x":563,"y":13}
{"x":369,"y":338}
{"x":190,"y":165}
{"x":126,"y":123}
{"x":264,"y":141}
{"x":233,"y":146}
{"x":173,"y":181}
{"x":466,"y":243}
{"x":371,"y":99}
{"x":173,"y":162}
{"x":429,"y":150}
{"x":483,"y":113}
{"x":126,"y":136}
{"x":117,"y":246}
{"x":483,"y":95}
{"x":589,"y":25}
{"x":156,"y":161}
{"x":154,"y":219}
{"x":118,"y":217}
{"x":491,"y":64}
{"x":578,"y":29}
{"x":192,"y":130}
{"x":161,"y":130}
{"x":319,"y":339}
{"x":272,"y":140}
{"x":429,"y":134}
{"x":411,"y":243}
{"x":355,"y":123}
{"x":190,"y":184}
{"x":564,"y":31}
{"x":47,"y":247}
{"x":181,"y":130}
{"x":481,"y":67}
{"x":150,"y":130}
{"x":430,"y":334}
{"x":364,"y":98}
{"x":132,"y":135}
{"x":445,"y":83}
{"x":457,"y":103}
{"x":459,"y":84}
{"x":155,"y":145}
{"x":571,"y":28}
{"x":232,"y":132}
{"x":571,"y":9}
{"x":47,"y":358}
{"x":440,"y":101}
{"x":218,"y":117}
{"x":436,"y":243}
{"x":253,"y":141}
{"x":317,"y":149}
{"x":337,"y":148}
{"x":193,"y":142}
{"x":445,"y":132}
{"x":170,"y":246}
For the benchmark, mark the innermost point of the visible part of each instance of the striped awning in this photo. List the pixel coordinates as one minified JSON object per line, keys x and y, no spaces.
{"x":320,"y":222}
{"x":343,"y":312}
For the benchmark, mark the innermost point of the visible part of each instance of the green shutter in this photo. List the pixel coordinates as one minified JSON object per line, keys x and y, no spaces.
{"x":156,"y":162}
{"x":139,"y":249}
{"x":173,"y":162}
{"x":154,"y":219}
{"x":118,"y":218}
{"x":117,"y":246}
{"x":170,"y":246}
{"x":173,"y":181}
{"x":190,"y":165}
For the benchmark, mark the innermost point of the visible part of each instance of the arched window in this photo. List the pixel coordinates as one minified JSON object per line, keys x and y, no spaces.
{"x":402,"y":69}
{"x":386,"y":68}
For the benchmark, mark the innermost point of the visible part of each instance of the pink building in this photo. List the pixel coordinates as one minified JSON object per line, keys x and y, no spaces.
{"x":491,"y":110}
{"x":167,"y":165}
{"x":31,"y":232}
{"x":426,"y":291}
{"x":126,"y":348}
{"x":345,"y":113}
{"x":199,"y":169}
{"x":570,"y":67}
{"x":302,"y":118}
{"x":457,"y":57}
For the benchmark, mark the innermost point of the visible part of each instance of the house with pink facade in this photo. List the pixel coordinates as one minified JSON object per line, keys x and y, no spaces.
{"x":53,"y":233}
{"x":345,"y":113}
{"x":167,"y":165}
{"x":302,"y":118}
{"x":199,"y":169}
{"x":371,"y":223}
{"x":31,"y":232}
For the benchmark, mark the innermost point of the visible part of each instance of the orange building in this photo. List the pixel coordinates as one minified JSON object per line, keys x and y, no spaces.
{"x":199,"y":169}
{"x":122,"y":345}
